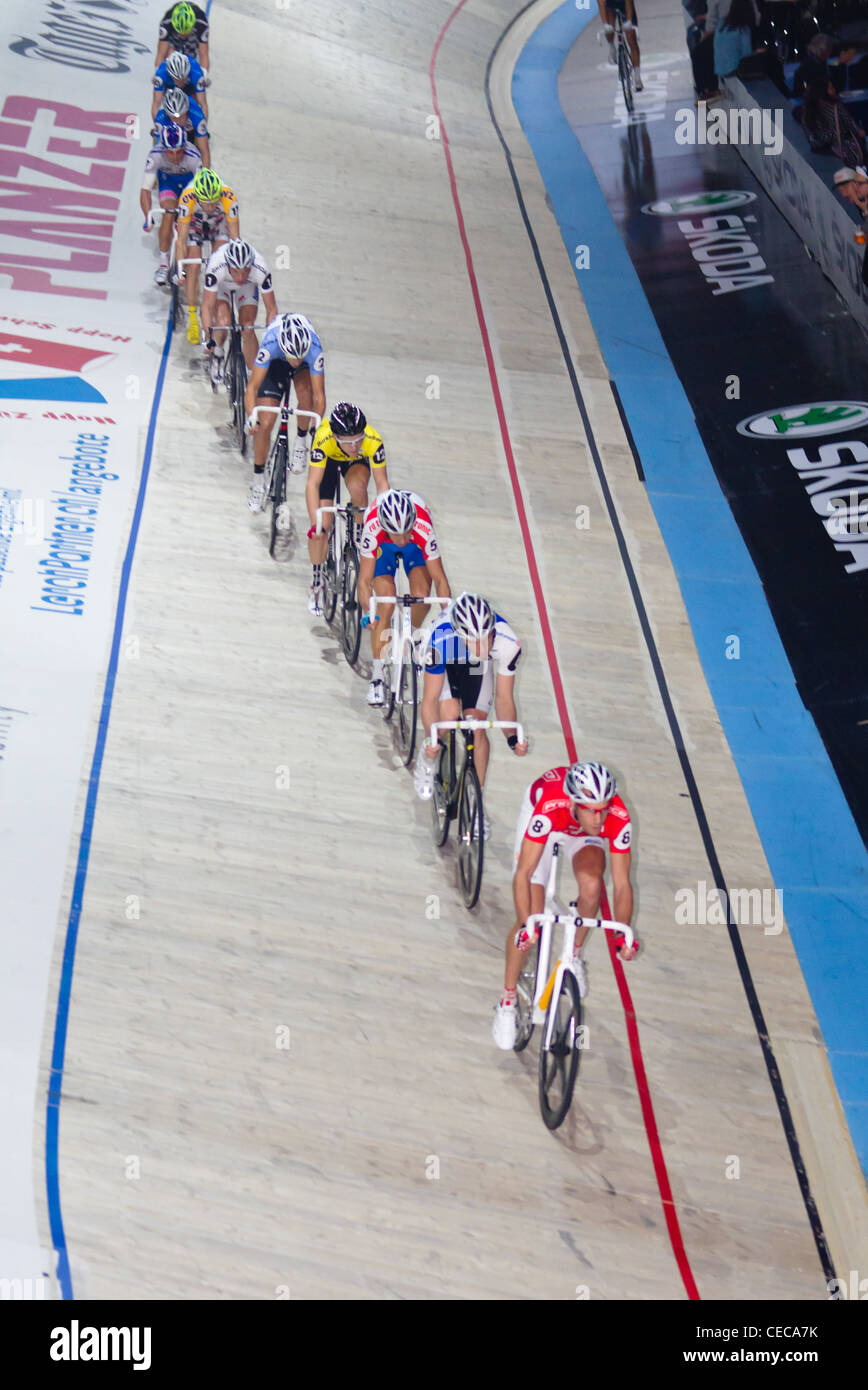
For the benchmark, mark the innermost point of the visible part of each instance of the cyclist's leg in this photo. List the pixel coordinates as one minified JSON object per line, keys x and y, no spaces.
{"x":356,"y":477}
{"x":608,"y":22}
{"x":632,"y":37}
{"x":419,"y":581}
{"x":224,"y":317}
{"x":168,"y":204}
{"x":589,"y":864}
{"x":384,"y":584}
{"x":191,"y":273}
{"x":247,"y":307}
{"x":317,"y":546}
{"x":539,"y":878}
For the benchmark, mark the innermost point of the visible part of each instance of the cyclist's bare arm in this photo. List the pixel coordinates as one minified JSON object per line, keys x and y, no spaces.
{"x":381,"y":480}
{"x":257,"y":376}
{"x":163,"y":51}
{"x":205,"y":57}
{"x":622,"y":908}
{"x":504,"y":707}
{"x":438,"y":574}
{"x":311,"y":493}
{"x":432,"y":684}
{"x":270,"y":303}
{"x":366,"y":581}
{"x":528,"y":859}
{"x":209,"y":300}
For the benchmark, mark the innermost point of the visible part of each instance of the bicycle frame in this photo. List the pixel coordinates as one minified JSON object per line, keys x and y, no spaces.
{"x":548,"y":983}
{"x":401,"y":635}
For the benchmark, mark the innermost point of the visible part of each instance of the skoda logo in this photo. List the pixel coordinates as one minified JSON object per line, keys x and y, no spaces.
{"x":802,"y":421}
{"x":715,"y":200}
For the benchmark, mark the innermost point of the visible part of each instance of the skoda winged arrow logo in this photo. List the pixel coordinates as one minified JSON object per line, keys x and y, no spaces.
{"x":802,"y":421}
{"x":713,"y":200}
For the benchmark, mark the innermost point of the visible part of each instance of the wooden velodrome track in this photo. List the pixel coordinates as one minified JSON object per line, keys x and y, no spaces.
{"x":199,"y":1158}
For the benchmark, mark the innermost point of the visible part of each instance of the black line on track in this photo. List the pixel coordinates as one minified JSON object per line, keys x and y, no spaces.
{"x":625,"y":424}
{"x":683,"y":757}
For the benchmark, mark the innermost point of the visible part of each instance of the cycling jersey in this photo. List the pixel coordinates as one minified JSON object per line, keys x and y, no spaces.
{"x":467,"y":678}
{"x":169,"y":174}
{"x":185,"y":43}
{"x":189,"y":206}
{"x":270,"y":354}
{"x":219,"y":278}
{"x":325,"y":449}
{"x":423,"y":541}
{"x":194,"y":122}
{"x":195,"y":82}
{"x":550,"y":815}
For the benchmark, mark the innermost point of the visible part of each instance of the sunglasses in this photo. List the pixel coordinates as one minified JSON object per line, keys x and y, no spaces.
{"x":593,"y":810}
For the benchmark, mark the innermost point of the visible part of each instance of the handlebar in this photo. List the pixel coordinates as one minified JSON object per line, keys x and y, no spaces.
{"x":536,"y":919}
{"x":476,"y":724}
{"x":401,"y":600}
{"x":253,"y":417}
{"x":347,"y":510}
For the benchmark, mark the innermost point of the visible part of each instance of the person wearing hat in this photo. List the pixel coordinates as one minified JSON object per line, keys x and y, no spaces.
{"x":852,"y":184}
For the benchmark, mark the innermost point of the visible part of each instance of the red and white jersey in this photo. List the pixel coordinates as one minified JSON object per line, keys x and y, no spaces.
{"x":551,"y":814}
{"x":423,"y":534}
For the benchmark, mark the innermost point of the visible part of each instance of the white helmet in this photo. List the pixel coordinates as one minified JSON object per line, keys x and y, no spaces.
{"x":178,"y":67}
{"x":472,"y":617}
{"x":176,"y":103}
{"x":589,"y":783}
{"x":395,"y":512}
{"x":293,"y":336}
{"x":239,"y":254}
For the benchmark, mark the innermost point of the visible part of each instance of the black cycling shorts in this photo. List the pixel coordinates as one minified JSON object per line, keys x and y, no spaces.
{"x":330,"y":475}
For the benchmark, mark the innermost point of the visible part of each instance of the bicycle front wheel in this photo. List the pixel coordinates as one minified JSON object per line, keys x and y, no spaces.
{"x":351,"y":617}
{"x":525,"y":991}
{"x":559,"y":1062}
{"x":330,"y":577}
{"x":408,"y":706}
{"x":470,"y":838}
{"x":237,"y":388}
{"x":441,"y":800}
{"x":625,"y":73}
{"x":277,"y":494}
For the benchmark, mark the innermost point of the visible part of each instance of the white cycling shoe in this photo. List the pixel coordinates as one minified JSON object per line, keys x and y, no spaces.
{"x":298,"y":457}
{"x":423,"y":776}
{"x":504,"y":1030}
{"x":161,"y":275}
{"x":377,"y":693}
{"x":581,"y":975}
{"x":638,"y":84}
{"x":314,"y":601}
{"x":256,"y":495}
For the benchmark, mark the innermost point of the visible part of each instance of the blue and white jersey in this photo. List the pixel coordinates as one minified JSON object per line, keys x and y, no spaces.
{"x":158,"y":163}
{"x":195,"y":82}
{"x":194,"y":122}
{"x":444,"y":647}
{"x":269,"y":350}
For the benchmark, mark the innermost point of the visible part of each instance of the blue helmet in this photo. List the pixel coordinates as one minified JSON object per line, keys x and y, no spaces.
{"x":172,"y":137}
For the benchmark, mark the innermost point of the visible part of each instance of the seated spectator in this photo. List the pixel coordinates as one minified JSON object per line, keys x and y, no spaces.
{"x":852,"y":184}
{"x":733,"y":35}
{"x":817,"y":55}
{"x":829,"y":126}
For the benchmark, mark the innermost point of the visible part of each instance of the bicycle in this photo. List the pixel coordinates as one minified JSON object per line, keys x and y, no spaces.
{"x":274,"y":477}
{"x":400,"y":667}
{"x":625,"y":63}
{"x":458,"y":795}
{"x":341,"y":573}
{"x":234,"y":375}
{"x":553,"y":1000}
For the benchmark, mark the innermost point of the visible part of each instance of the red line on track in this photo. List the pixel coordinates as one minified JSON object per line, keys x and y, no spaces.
{"x":645,"y":1101}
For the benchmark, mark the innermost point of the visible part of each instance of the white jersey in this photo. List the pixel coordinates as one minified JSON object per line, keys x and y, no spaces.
{"x":158,"y":163}
{"x":218,"y":276}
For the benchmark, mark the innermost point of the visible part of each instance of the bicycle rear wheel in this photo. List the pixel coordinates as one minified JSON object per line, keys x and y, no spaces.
{"x":237,"y":387}
{"x":559,"y":1062}
{"x":408,"y":706}
{"x":277,"y":494}
{"x":351,"y":617}
{"x":470,"y":840}
{"x":525,"y":992}
{"x":330,"y":577}
{"x":443,"y":780}
{"x":625,"y":73}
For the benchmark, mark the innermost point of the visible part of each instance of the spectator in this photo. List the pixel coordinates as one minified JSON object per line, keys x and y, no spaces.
{"x":733,"y":36}
{"x":814,"y":67}
{"x":828,"y":125}
{"x":851,"y":71}
{"x":852,"y":184}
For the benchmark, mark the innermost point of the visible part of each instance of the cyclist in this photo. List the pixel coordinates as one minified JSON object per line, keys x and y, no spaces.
{"x":236,"y":269}
{"x":470,"y":658}
{"x":397,"y":526}
{"x":207,"y":211}
{"x":184,"y":28}
{"x":178,"y":109}
{"x":345,"y":442}
{"x":577,"y":808}
{"x":627,"y":10}
{"x":182,"y":72}
{"x":171,"y":164}
{"x":290,"y":351}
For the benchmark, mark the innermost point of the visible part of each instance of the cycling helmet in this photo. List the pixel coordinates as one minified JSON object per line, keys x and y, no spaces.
{"x":395,"y":512}
{"x":472,"y":617}
{"x":172,"y":137}
{"x":347,"y":419}
{"x":183,"y":19}
{"x":293,"y":336}
{"x":178,"y":67}
{"x":176,"y":103}
{"x":589,"y":783}
{"x":239,"y":254}
{"x":207,"y":185}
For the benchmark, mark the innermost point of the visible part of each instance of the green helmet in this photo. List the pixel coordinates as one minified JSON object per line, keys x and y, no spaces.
{"x":207,"y":185}
{"x":183,"y":19}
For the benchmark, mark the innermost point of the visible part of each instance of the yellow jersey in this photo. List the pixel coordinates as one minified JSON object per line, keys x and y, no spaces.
{"x":326,"y":447}
{"x":188,"y":204}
